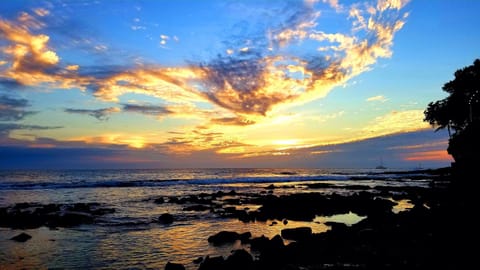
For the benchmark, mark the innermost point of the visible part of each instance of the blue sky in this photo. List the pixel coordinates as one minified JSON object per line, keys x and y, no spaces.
{"x":228,"y":83}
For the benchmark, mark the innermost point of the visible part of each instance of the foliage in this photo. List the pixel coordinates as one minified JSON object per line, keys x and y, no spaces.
{"x":460,"y":112}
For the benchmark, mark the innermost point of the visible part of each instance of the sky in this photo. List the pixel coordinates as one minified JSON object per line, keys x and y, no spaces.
{"x":193,"y":84}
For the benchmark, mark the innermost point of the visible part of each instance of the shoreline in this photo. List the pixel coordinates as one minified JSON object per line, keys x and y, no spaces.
{"x":411,"y":238}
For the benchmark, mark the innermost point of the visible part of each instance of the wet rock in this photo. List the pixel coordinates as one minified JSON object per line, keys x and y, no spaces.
{"x":297,"y":234}
{"x":245,"y":237}
{"x":198,"y":260}
{"x":240,"y":259}
{"x":259,"y":243}
{"x":23,"y":237}
{"x":223,"y":237}
{"x":26,"y":215}
{"x":70,"y":219}
{"x":198,"y":207}
{"x":213,"y":263}
{"x":159,"y":200}
{"x":166,"y":218}
{"x":174,"y":266}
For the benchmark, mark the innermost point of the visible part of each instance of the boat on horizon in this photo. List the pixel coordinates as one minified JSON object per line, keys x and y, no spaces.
{"x":381,"y":166}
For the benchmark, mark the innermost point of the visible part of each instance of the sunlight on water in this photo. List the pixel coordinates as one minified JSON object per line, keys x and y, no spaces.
{"x":402,"y":205}
{"x":131,"y":237}
{"x":348,"y":219}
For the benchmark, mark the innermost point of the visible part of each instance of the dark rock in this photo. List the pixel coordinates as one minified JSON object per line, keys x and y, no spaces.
{"x":259,"y":243}
{"x":240,"y":259}
{"x":198,"y":207}
{"x":70,"y":219}
{"x":271,"y":186}
{"x":23,"y":237}
{"x":213,"y":263}
{"x":198,"y":260}
{"x":223,"y":237}
{"x":166,"y":218}
{"x":26,"y":215}
{"x":245,"y":237}
{"x":297,"y":234}
{"x":159,"y":200}
{"x":174,"y":266}
{"x":277,"y":241}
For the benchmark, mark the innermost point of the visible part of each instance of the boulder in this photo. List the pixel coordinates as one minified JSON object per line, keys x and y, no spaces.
{"x":240,"y":259}
{"x":213,"y":263}
{"x":166,"y":218}
{"x":23,"y":237}
{"x":297,"y":234}
{"x":223,"y":237}
{"x":174,"y":266}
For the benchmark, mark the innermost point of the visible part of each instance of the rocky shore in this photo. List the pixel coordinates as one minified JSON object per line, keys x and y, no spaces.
{"x":432,"y":230}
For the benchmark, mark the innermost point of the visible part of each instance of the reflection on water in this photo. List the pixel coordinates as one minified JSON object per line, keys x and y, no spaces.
{"x":348,"y":219}
{"x":401,"y":205}
{"x":130,"y":237}
{"x":131,"y":247}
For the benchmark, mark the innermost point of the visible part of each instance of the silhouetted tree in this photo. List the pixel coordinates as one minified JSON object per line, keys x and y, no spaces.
{"x":459,"y":113}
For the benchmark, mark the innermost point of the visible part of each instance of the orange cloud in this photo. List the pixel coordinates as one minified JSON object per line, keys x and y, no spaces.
{"x":240,"y":88}
{"x":28,"y":57}
{"x":434,"y":155}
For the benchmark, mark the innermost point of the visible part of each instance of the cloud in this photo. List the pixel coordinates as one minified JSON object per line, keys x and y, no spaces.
{"x":12,"y":109}
{"x":265,"y":73}
{"x":236,"y":121}
{"x":29,"y":59}
{"x":41,"y":12}
{"x":6,"y":128}
{"x":379,"y":98}
{"x":147,"y":109}
{"x":434,"y":155}
{"x":100,"y":114}
{"x":396,"y":122}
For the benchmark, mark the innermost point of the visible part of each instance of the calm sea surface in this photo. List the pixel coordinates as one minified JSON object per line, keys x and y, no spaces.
{"x":131,"y":238}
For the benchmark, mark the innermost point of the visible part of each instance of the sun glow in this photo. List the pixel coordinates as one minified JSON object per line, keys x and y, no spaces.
{"x":286,"y":142}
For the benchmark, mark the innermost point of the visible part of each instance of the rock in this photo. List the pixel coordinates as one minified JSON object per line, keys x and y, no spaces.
{"x":159,"y":200}
{"x":166,"y":218}
{"x":198,"y":207}
{"x":245,"y":237}
{"x":198,"y":260}
{"x":223,"y":237}
{"x":240,"y":259}
{"x":174,"y":266}
{"x":276,"y":241}
{"x":23,"y":237}
{"x":259,"y":243}
{"x":271,"y":186}
{"x":213,"y":263}
{"x":300,"y":233}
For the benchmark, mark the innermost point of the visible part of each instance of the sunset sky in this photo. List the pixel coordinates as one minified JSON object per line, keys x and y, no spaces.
{"x":162,"y":84}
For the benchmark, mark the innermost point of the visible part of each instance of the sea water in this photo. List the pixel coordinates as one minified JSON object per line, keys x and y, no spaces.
{"x":131,"y":238}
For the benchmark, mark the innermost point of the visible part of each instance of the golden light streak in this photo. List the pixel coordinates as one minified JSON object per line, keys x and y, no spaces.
{"x":435,"y":155}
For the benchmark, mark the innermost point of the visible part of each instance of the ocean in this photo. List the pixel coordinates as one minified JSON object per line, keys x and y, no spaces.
{"x":130,"y":237}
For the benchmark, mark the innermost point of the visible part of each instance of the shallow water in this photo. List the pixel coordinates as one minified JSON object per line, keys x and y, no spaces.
{"x":130,"y":237}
